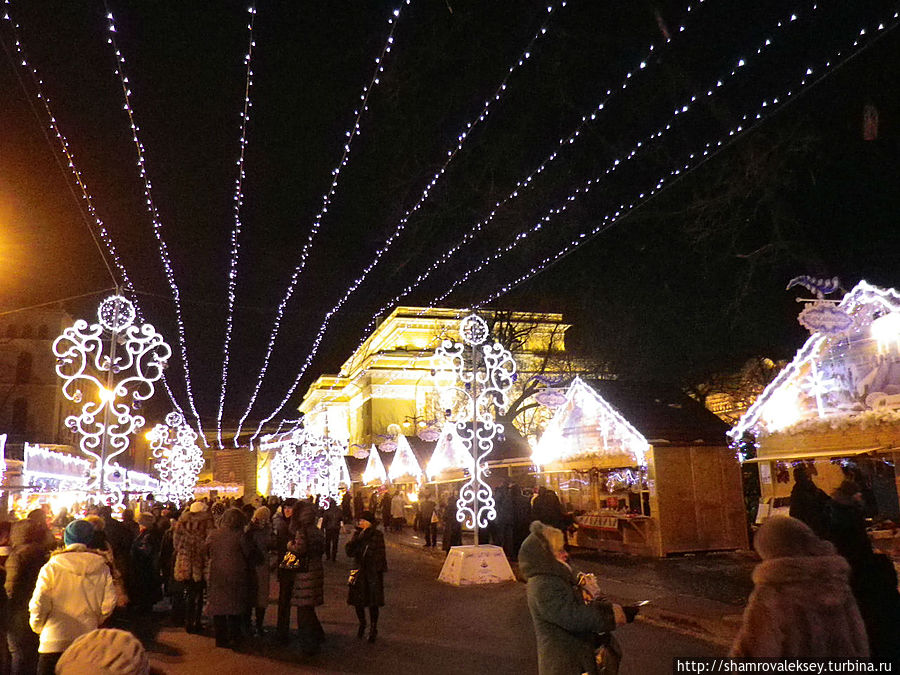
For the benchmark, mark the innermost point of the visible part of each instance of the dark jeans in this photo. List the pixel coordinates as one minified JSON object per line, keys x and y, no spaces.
{"x":47,"y":663}
{"x":227,"y":630}
{"x":431,"y":534}
{"x":331,"y":543}
{"x":193,"y":604}
{"x":285,"y":589}
{"x":23,"y":644}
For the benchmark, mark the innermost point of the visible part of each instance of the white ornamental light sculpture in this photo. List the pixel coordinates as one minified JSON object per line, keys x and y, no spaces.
{"x":179,"y":458}
{"x":2,"y":456}
{"x":487,"y":372}
{"x":111,"y":366}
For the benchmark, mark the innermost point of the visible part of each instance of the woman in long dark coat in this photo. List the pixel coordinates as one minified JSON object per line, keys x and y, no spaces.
{"x":229,"y":577}
{"x":366,"y":547}
{"x":308,"y":544}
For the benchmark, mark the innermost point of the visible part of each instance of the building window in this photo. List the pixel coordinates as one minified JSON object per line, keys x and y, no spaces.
{"x":23,"y":368}
{"x":20,"y":416}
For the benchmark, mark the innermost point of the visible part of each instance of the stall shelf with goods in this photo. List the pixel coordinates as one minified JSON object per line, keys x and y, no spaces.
{"x":835,"y":410}
{"x":644,"y":470}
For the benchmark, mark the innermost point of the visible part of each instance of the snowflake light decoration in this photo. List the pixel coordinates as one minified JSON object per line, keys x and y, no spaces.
{"x":486,"y":381}
{"x":113,"y":365}
{"x":179,"y":458}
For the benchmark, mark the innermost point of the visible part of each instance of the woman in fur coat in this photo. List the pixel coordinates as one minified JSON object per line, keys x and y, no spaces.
{"x":802,"y":605}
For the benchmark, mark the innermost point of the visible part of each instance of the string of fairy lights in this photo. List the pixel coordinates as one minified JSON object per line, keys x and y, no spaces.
{"x":238,"y":202}
{"x":87,"y":200}
{"x":461,"y":138}
{"x":352,"y":133}
{"x":154,"y":215}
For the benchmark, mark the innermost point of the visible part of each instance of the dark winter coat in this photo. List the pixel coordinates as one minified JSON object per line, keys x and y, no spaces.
{"x":260,"y":536}
{"x":547,"y":509}
{"x":23,"y":564}
{"x":386,"y":502}
{"x":229,"y":574}
{"x":801,"y":605}
{"x":565,"y":627}
{"x":810,"y":504}
{"x":332,"y":517}
{"x":426,"y":510}
{"x":308,"y":543}
{"x":145,"y":584}
{"x":347,"y":507}
{"x":366,"y":547}
{"x":189,"y":539}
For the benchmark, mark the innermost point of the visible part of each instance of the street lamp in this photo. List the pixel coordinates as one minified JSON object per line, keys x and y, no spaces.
{"x":111,"y":365}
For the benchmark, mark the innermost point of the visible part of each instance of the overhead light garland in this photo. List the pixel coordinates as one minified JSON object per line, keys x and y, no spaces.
{"x":111,"y":365}
{"x":401,"y":225}
{"x":487,"y":372}
{"x":179,"y":458}
{"x":350,"y":135}
{"x":154,"y":216}
{"x":238,"y":202}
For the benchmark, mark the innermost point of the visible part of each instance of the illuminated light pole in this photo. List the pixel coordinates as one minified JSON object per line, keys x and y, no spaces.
{"x":88,"y":359}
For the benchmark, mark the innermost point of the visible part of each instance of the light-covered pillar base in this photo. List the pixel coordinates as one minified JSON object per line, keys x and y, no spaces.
{"x":473,"y":565}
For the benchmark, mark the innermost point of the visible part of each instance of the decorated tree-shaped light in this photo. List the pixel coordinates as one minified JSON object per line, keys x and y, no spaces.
{"x":487,"y":372}
{"x":179,"y":458}
{"x":111,"y":365}
{"x":405,"y":462}
{"x":374,"y":470}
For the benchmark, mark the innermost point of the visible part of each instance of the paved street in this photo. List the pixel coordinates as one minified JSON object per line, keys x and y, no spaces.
{"x":426,"y":627}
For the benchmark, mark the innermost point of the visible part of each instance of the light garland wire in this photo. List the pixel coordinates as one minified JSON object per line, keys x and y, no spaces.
{"x":86,"y":197}
{"x":525,"y":183}
{"x":619,"y":162}
{"x":236,"y":231}
{"x":154,"y":216}
{"x":350,"y":135}
{"x":401,"y":225}
{"x":768,"y":106}
{"x":809,"y":77}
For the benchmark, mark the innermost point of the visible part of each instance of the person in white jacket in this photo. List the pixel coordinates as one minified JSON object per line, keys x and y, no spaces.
{"x":73,"y":596}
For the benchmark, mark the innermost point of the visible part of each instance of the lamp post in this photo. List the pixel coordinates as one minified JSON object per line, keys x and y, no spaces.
{"x":88,"y":359}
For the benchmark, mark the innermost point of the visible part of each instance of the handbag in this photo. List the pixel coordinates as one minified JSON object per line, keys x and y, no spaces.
{"x":294,"y":563}
{"x":353,"y":579}
{"x":608,"y":655}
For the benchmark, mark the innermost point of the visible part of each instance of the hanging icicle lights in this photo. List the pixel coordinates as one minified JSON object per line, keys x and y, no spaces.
{"x":350,"y":135}
{"x":236,"y":230}
{"x":87,"y":200}
{"x":401,"y":226}
{"x":154,"y":214}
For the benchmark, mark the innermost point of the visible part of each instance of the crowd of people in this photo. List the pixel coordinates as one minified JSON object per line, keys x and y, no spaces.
{"x":214,"y":558}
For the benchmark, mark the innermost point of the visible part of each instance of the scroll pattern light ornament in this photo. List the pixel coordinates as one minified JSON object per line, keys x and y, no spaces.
{"x":487,"y":375}
{"x":179,"y":458}
{"x":111,"y":366}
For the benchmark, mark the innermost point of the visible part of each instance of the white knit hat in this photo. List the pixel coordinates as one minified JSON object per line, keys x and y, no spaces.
{"x":198,"y":507}
{"x":105,"y":651}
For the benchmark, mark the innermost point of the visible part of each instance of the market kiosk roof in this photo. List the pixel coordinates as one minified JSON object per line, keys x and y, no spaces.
{"x":845,"y":379}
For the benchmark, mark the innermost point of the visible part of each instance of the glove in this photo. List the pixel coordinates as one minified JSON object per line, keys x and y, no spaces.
{"x":630,"y":612}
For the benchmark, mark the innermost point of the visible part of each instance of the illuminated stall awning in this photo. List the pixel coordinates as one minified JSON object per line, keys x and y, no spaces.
{"x":374,"y":471}
{"x":405,"y":464}
{"x":843,"y":385}
{"x":51,"y":470}
{"x":449,"y":454}
{"x":586,"y":426}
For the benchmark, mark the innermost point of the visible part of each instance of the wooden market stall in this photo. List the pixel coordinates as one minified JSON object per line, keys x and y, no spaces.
{"x":645,"y":471}
{"x":835,"y":409}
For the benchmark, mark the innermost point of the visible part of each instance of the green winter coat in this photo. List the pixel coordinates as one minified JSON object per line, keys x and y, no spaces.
{"x":565,"y":627}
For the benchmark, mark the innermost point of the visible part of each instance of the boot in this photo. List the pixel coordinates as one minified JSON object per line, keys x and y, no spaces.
{"x":373,"y":632}
{"x":362,"y":630}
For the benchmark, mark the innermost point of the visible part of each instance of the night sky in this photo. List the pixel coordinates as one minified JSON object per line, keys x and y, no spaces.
{"x":689,"y":283}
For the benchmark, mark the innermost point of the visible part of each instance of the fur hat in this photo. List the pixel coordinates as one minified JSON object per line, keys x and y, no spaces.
{"x":105,"y":651}
{"x":786,"y":537}
{"x":368,"y":515}
{"x":198,"y":507}
{"x":79,"y":532}
{"x":262,"y":515}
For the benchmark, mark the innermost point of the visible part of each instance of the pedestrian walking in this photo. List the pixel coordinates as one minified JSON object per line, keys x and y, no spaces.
{"x":809,"y":504}
{"x":359,"y":505}
{"x":189,"y":540}
{"x":452,"y":535}
{"x":281,"y":530}
{"x":801,"y":605}
{"x":145,"y":585}
{"x":308,"y":545}
{"x":260,"y":533}
{"x":27,"y":556}
{"x":428,"y":519}
{"x":387,"y":501}
{"x":74,"y":594}
{"x":347,"y":507}
{"x":398,"y":511}
{"x":567,"y":629}
{"x":366,"y":583}
{"x":332,"y":518}
{"x":229,"y":553}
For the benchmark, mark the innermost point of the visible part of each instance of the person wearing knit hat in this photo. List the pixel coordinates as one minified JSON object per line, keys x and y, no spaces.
{"x":105,"y":651}
{"x":74,"y":594}
{"x":197,"y":507}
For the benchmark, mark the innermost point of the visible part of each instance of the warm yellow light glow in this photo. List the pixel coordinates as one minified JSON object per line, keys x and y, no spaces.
{"x":422,"y":425}
{"x":886,"y":332}
{"x":107,"y":395}
{"x":782,"y":409}
{"x":407,"y":424}
{"x":413,"y":497}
